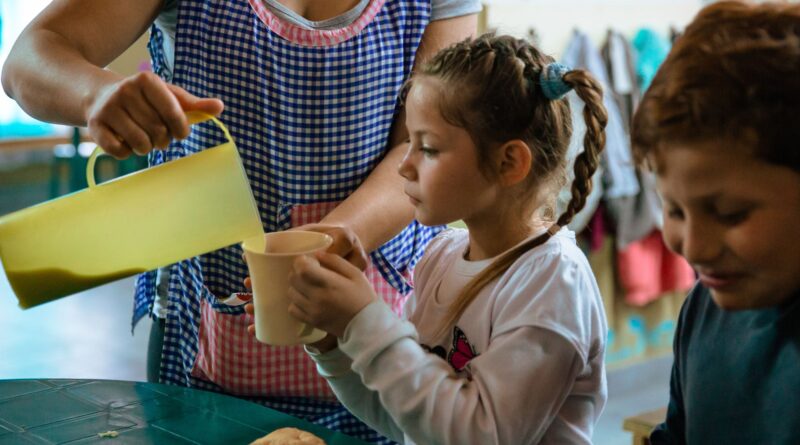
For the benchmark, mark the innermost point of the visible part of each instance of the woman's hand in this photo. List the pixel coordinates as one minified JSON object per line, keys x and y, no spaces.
{"x":345,"y":243}
{"x":326,"y":291}
{"x":142,"y":112}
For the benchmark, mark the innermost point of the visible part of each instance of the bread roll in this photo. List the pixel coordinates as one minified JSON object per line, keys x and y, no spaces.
{"x":289,"y":436}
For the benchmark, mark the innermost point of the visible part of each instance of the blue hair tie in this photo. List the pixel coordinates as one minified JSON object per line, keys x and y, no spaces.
{"x":552,"y":81}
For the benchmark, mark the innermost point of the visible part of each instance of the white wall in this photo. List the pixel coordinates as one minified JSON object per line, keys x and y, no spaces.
{"x":554,"y":20}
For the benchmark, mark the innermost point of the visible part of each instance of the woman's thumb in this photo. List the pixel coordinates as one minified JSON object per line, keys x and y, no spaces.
{"x":190,"y":102}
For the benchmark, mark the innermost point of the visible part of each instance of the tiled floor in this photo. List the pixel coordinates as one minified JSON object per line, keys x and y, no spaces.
{"x":88,"y":336}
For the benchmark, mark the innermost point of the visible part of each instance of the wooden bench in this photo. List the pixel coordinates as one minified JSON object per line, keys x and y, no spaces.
{"x":641,"y":425}
{"x":34,"y":143}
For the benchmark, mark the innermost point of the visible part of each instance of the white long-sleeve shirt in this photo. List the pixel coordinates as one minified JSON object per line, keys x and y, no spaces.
{"x":523,"y":365}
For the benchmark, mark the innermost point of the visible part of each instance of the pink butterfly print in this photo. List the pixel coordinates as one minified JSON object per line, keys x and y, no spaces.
{"x":462,"y":351}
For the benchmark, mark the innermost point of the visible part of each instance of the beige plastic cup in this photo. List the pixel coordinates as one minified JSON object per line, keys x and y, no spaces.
{"x":270,"y":257}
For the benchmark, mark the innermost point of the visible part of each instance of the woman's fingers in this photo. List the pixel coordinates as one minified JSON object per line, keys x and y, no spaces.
{"x":141,"y":113}
{"x":188,"y":101}
{"x":110,"y":142}
{"x":147,"y":100}
{"x":345,"y":243}
{"x":162,"y":98}
{"x":339,"y":265}
{"x":131,"y":133}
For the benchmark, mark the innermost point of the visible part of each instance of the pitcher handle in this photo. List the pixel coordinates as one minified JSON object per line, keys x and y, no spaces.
{"x":194,"y":117}
{"x":90,"y":167}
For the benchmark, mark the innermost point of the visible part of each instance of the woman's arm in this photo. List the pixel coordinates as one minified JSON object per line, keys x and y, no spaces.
{"x":378,"y":210}
{"x":55,"y":71}
{"x":55,"y":67}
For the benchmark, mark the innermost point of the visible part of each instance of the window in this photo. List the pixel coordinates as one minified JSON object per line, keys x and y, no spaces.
{"x":14,"y":16}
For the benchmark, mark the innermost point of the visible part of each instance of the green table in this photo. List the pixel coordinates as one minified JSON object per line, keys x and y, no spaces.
{"x":79,"y":411}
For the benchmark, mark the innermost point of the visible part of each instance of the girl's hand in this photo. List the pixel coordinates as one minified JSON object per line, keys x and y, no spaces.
{"x":329,"y":343}
{"x":345,"y":243}
{"x":326,"y":344}
{"x":142,"y":112}
{"x":326,"y":291}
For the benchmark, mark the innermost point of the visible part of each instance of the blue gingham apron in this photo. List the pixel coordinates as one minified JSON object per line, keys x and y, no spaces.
{"x":311,"y":123}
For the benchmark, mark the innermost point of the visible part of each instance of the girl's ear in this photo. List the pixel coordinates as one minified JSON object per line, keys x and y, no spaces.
{"x":514,"y":162}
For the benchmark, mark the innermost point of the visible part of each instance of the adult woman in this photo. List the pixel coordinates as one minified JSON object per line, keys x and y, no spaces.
{"x":310,"y":92}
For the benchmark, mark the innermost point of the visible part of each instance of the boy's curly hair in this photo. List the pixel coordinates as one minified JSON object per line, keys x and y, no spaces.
{"x":733,"y":76}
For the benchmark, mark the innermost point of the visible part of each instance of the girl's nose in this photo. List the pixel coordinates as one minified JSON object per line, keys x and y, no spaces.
{"x":406,"y":168}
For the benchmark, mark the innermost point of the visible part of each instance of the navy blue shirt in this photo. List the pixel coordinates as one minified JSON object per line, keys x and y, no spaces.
{"x":736,"y":376}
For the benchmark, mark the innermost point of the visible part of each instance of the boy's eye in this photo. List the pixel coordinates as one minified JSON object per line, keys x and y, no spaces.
{"x":674,"y":213}
{"x":733,"y":218}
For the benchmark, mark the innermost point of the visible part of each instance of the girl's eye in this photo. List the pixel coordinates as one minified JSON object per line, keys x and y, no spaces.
{"x":428,"y":151}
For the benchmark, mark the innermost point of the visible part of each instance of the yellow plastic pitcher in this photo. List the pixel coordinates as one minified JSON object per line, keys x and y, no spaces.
{"x":138,"y":222}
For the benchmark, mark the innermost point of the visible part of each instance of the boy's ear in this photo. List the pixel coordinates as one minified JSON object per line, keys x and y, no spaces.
{"x":514,"y":162}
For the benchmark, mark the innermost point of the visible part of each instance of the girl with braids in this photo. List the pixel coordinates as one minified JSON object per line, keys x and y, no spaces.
{"x":506,"y":331}
{"x":720,"y":126}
